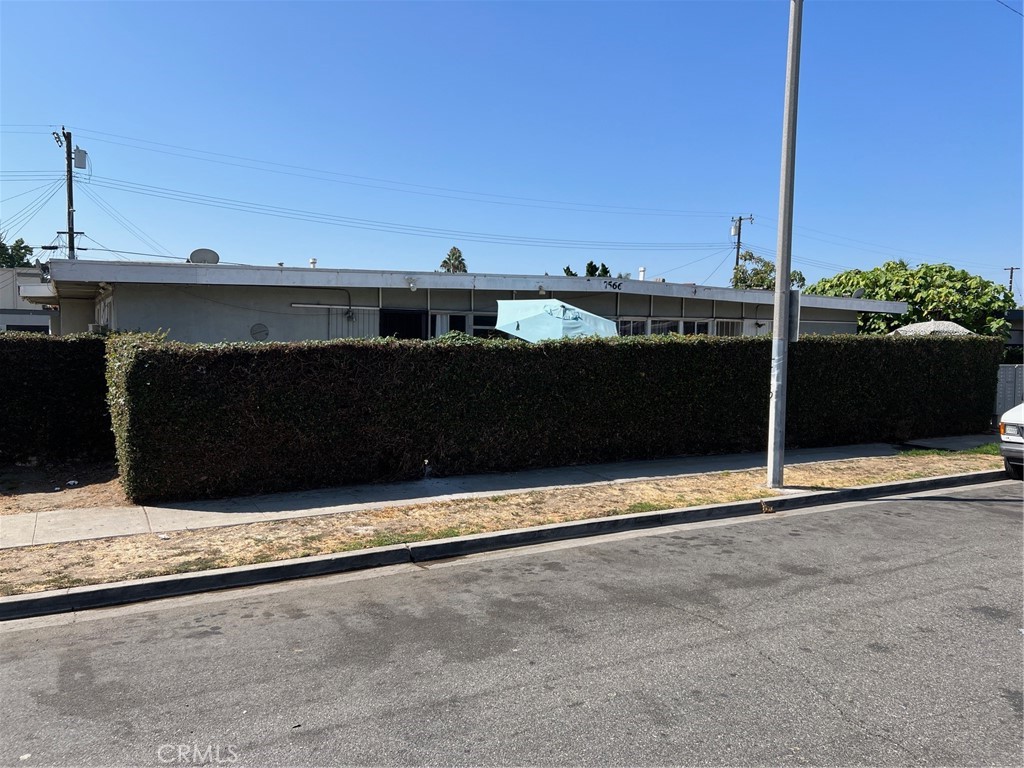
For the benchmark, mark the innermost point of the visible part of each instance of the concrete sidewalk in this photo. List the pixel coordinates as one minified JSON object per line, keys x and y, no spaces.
{"x":80,"y":524}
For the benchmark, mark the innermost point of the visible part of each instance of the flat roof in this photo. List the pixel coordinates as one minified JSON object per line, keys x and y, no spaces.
{"x":73,"y":278}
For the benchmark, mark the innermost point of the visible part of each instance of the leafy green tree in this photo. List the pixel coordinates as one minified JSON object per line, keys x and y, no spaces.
{"x":454,"y":262}
{"x":932,"y":292}
{"x":756,"y":272}
{"x":593,"y":270}
{"x":16,"y":254}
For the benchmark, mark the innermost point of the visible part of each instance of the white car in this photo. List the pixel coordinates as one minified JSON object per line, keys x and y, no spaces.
{"x":1011,"y":441}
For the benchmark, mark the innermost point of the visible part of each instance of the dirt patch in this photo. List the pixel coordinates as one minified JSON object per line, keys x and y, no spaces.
{"x":35,"y":487}
{"x":51,"y":566}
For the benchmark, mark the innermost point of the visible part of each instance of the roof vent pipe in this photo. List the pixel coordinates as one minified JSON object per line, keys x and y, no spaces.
{"x":641,"y":273}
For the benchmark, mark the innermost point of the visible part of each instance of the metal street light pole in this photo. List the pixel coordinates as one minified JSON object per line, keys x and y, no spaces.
{"x":783,"y":258}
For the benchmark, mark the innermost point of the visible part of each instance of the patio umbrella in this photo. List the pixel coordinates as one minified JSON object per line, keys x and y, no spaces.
{"x":538,"y":319}
{"x":932,"y":328}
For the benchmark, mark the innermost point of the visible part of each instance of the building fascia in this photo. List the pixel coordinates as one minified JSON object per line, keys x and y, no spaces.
{"x":41,"y":293}
{"x":77,"y":273}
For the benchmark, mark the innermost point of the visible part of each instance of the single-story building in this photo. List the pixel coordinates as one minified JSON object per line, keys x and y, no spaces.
{"x":224,"y":302}
{"x":17,"y":313}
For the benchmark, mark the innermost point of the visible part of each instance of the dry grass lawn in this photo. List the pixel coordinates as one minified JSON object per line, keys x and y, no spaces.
{"x":52,"y":566}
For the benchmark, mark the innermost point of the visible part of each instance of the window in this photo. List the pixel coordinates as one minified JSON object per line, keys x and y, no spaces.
{"x":696,"y":327}
{"x":403,"y":323}
{"x":632,"y":327}
{"x":664,"y":326}
{"x":728,"y":328}
{"x":441,"y":324}
{"x":483,"y":326}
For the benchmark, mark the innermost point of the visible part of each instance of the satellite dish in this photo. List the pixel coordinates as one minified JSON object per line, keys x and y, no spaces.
{"x":203,"y":256}
{"x":858,"y":293}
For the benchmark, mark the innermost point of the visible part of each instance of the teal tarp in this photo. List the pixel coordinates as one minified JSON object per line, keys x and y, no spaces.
{"x":539,"y":319}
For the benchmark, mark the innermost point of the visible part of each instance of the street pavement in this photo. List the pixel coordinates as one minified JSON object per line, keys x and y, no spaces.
{"x":875,"y":633}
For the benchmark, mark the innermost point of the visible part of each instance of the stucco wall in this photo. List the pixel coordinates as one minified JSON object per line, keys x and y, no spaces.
{"x":199,"y":313}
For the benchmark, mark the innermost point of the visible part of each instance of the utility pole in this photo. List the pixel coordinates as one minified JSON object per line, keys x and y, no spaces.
{"x":1011,"y":270}
{"x":737,"y":232}
{"x":71,"y":194}
{"x":781,"y":320}
{"x":64,"y":139}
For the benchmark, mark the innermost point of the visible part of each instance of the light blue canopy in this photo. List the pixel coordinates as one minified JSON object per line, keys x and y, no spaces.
{"x":539,"y":319}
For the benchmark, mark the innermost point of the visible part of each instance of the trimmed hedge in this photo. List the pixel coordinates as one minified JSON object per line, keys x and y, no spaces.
{"x":201,"y":421}
{"x":54,"y":398}
{"x":845,"y":390}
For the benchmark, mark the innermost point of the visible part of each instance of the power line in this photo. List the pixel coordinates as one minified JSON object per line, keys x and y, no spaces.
{"x":396,"y":186}
{"x":695,"y":261}
{"x":720,"y":264}
{"x":121,"y":219}
{"x":882,"y":250}
{"x":385,"y":226}
{"x":101,"y":245}
{"x":15,"y":223}
{"x":1010,"y":7}
{"x":134,"y":253}
{"x":29,"y":192}
{"x":765,"y":252}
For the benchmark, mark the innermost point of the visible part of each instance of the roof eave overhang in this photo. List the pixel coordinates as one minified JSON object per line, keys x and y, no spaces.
{"x":65,"y":272}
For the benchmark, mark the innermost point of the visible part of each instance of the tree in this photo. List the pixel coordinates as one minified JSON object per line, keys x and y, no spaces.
{"x":16,"y":254}
{"x":932,"y":292}
{"x":454,"y":262}
{"x":591,"y":270}
{"x":756,"y":272}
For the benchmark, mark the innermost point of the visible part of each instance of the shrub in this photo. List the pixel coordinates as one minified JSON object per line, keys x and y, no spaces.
{"x":855,"y":389}
{"x":54,"y":398}
{"x":214,"y":420}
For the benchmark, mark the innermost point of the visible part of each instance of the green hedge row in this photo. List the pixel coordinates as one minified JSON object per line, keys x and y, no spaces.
{"x":845,"y":390}
{"x":54,"y":398}
{"x":195,"y":421}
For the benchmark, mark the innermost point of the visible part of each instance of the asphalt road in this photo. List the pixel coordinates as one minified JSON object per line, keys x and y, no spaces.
{"x":877,"y":633}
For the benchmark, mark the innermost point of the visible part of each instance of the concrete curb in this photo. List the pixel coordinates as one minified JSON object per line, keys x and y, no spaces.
{"x":176,"y":585}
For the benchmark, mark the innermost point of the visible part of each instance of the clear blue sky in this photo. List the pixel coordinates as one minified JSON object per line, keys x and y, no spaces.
{"x":388,"y":132}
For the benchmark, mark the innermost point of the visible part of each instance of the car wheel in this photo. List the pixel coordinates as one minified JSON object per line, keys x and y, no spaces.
{"x":1016,"y":471}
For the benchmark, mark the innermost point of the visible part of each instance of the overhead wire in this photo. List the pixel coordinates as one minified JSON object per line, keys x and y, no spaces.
{"x":135,"y":253}
{"x":27,"y":192}
{"x":706,"y":279}
{"x":396,"y":186}
{"x":16,"y":223}
{"x":408,"y":187}
{"x":876,"y":248}
{"x":384,"y":226}
{"x":691,"y":263}
{"x":1005,"y":5}
{"x":101,"y":245}
{"x":121,"y":219}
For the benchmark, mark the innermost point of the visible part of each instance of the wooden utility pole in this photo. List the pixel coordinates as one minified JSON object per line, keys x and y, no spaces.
{"x":738,"y":231}
{"x":71,"y":192}
{"x":1011,"y":270}
{"x":63,"y":139}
